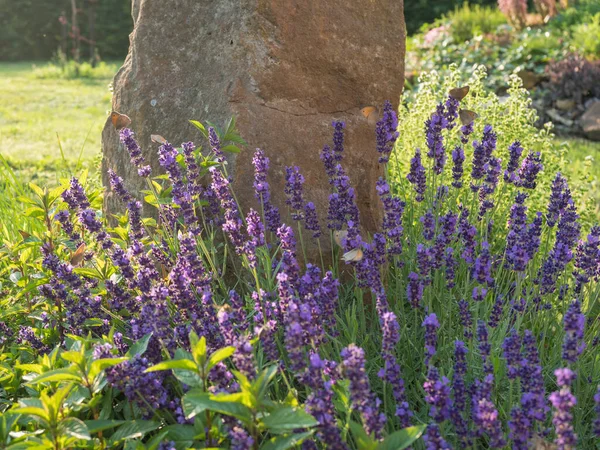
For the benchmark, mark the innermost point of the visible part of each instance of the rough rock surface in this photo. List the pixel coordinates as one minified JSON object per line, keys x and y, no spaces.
{"x":284,"y":68}
{"x":590,"y":122}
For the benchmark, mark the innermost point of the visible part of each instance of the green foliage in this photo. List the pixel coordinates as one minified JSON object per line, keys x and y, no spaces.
{"x":70,"y":70}
{"x":585,"y":37}
{"x":513,"y":119}
{"x":25,"y":35}
{"x":419,"y":12}
{"x":468,"y":21}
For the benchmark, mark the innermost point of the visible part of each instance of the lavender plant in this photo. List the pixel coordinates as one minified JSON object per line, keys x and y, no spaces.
{"x":470,"y":319}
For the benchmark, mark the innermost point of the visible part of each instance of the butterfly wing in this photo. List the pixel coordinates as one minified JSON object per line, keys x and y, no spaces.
{"x":158,"y":139}
{"x":77,"y":256}
{"x":459,"y":93}
{"x":467,"y":116}
{"x":371,"y":113}
{"x":353,"y":255}
{"x":119,"y":120}
{"x":339,"y":236}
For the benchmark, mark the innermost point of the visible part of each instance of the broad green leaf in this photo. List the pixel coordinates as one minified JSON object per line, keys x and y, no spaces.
{"x":32,"y":411}
{"x":134,"y":429}
{"x":139,"y":347}
{"x":75,"y":428}
{"x":100,"y":364}
{"x":35,"y":368}
{"x":285,"y":442}
{"x":184,"y":364}
{"x":181,"y":433}
{"x":38,"y":190}
{"x":196,"y":402}
{"x":402,"y":439}
{"x":76,"y":357}
{"x":56,"y":375}
{"x":192,"y":379}
{"x":286,"y":419}
{"x":261,"y":384}
{"x":220,"y":355}
{"x":198,"y":347}
{"x":100,"y":425}
{"x":363,"y":440}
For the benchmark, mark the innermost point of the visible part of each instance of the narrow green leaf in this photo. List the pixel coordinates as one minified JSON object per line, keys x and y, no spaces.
{"x":231,"y":149}
{"x":139,"y":347}
{"x":363,"y":440}
{"x":100,"y":425}
{"x":56,"y":375}
{"x":184,"y":364}
{"x":220,"y":355}
{"x":402,"y":439}
{"x":133,"y":429}
{"x":196,"y":402}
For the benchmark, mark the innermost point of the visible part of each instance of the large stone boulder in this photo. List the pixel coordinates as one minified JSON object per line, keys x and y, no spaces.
{"x":590,"y":122}
{"x":284,"y":68}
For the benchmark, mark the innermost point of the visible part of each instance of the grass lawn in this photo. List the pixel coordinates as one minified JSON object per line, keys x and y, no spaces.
{"x":34,"y":111}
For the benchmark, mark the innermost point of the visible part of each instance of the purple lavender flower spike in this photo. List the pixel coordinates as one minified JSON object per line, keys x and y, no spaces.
{"x":486,"y":417}
{"x":215,"y":144}
{"x":414,"y":290}
{"x":587,"y":259}
{"x":431,"y":326}
{"x":135,"y":152}
{"x":294,"y":181}
{"x":559,"y":197}
{"x":393,"y":209}
{"x":417,"y":176}
{"x":533,"y":400}
{"x":574,"y":324}
{"x":466,"y":319}
{"x":434,"y":440}
{"x":386,"y":132}
{"x":437,"y":394}
{"x":311,"y":220}
{"x":563,"y":402}
{"x":459,"y":392}
{"x":496,"y":313}
{"x":390,"y":372}
{"x":233,"y":221}
{"x":484,"y":346}
{"x":428,"y":221}
{"x":338,"y":140}
{"x":435,"y":141}
{"x":530,"y":167}
{"x":262,"y":191}
{"x":363,"y":400}
{"x":515,"y":151}
{"x":458,"y":158}
{"x":256,"y":234}
{"x":465,"y":132}
{"x":512,"y":353}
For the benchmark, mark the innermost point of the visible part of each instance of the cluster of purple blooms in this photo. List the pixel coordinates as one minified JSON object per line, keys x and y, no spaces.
{"x":166,"y":288}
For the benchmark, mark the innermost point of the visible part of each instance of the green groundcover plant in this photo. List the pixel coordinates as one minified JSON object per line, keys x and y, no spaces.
{"x":469,"y":319}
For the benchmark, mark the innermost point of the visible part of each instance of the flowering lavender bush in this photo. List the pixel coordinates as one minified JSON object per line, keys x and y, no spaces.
{"x":470,"y":321}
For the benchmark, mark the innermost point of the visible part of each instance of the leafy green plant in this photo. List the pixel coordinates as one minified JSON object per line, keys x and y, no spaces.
{"x":585,"y":37}
{"x":468,"y":21}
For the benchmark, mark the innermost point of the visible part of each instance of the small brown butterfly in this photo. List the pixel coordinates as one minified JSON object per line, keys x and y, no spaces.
{"x":77,"y":256}
{"x":467,"y":116}
{"x":538,"y":443}
{"x":371,"y":113}
{"x":339,"y":236}
{"x":459,"y":93}
{"x":158,"y":139}
{"x":24,"y":234}
{"x":353,"y":255}
{"x":119,"y":120}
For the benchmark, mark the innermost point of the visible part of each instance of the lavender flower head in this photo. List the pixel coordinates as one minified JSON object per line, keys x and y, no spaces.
{"x":574,"y":324}
{"x":563,"y":402}
{"x":417,"y":176}
{"x":294,"y":181}
{"x":135,"y":152}
{"x":431,"y":325}
{"x":363,"y":400}
{"x":338,"y":140}
{"x":386,"y":132}
{"x":215,"y":144}
{"x":530,"y":167}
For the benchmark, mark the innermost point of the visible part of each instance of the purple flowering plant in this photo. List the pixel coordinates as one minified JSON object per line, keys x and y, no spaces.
{"x":469,"y":318}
